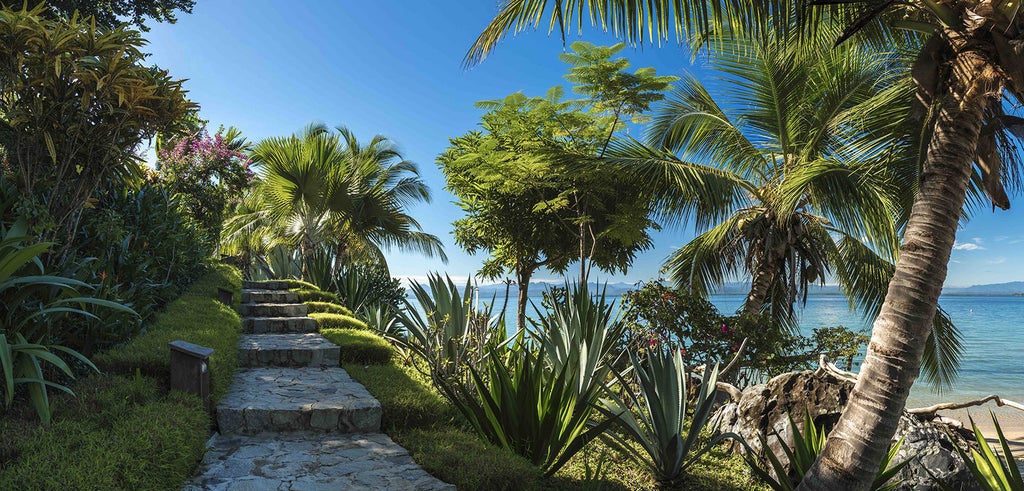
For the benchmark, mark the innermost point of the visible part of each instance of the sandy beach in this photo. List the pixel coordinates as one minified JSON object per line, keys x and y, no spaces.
{"x":1010,"y":420}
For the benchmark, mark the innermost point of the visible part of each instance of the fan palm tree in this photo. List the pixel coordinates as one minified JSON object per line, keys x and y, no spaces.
{"x":322,"y":189}
{"x":385,"y":186}
{"x":970,"y":63}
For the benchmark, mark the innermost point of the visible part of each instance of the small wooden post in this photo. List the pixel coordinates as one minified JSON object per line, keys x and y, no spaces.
{"x":190,"y":369}
{"x":224,"y":296}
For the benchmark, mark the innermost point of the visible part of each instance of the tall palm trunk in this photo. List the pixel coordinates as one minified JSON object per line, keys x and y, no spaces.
{"x":860,"y":439}
{"x":759,"y":284}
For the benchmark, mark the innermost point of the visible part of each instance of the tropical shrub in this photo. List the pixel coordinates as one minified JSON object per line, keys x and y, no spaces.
{"x":34,"y":303}
{"x":657,"y":315}
{"x":360,"y":347}
{"x":578,"y":334}
{"x":362,"y":285}
{"x":653,"y":413}
{"x":78,"y":101}
{"x":337,"y":321}
{"x":520,"y":404}
{"x":992,"y":472}
{"x":807,"y":445}
{"x":207,"y":172}
{"x":140,"y":249}
{"x":384,"y":321}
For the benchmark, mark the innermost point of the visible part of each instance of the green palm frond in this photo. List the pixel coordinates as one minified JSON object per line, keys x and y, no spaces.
{"x":636,"y":23}
{"x":681,"y":189}
{"x":711,"y":257}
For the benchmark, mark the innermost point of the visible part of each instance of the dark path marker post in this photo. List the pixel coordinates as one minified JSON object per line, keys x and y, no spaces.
{"x":190,"y":369}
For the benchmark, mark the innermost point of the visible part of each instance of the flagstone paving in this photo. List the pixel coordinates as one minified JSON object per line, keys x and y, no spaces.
{"x":294,"y":420}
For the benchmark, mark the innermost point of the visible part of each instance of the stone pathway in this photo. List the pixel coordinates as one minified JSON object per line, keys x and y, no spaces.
{"x":292,"y":418}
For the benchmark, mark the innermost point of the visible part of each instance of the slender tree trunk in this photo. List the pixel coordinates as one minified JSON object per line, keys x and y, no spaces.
{"x":523,"y":275}
{"x":858,"y":443}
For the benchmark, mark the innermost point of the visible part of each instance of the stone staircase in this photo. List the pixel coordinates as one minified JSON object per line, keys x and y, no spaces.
{"x":292,"y":418}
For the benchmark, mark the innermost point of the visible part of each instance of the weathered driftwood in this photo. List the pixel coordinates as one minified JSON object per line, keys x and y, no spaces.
{"x":931,"y":410}
{"x":922,"y":412}
{"x":734,"y":393}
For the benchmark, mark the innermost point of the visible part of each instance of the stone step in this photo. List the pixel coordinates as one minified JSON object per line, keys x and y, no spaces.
{"x":306,"y":460}
{"x":287,"y":350}
{"x":274,"y":310}
{"x":297,"y":399}
{"x":269,"y":296}
{"x":265,"y":285}
{"x":278,"y":325}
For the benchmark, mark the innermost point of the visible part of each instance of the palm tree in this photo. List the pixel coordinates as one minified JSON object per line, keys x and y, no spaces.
{"x":322,"y":189}
{"x":385,"y":185}
{"x":969,"y":64}
{"x":810,"y":174}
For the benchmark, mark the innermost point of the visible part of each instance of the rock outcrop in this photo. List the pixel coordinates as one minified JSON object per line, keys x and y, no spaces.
{"x":765,"y":410}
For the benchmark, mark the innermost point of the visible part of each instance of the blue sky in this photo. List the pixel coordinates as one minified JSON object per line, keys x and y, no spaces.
{"x":393,"y":67}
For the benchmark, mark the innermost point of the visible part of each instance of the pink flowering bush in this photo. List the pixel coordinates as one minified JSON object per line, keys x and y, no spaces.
{"x":660,"y":316}
{"x":207,"y":172}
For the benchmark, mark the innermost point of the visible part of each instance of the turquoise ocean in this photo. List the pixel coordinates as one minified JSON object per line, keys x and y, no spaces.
{"x":993,"y":339}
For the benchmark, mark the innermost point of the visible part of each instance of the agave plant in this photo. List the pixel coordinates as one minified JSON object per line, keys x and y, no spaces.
{"x":990,"y":471}
{"x":448,"y":332}
{"x":580,"y":333}
{"x":654,"y":411}
{"x":525,"y":406}
{"x":33,"y":303}
{"x":383,"y":319}
{"x":807,"y":445}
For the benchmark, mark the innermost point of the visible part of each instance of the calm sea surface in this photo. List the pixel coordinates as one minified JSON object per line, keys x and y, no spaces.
{"x":993,"y":335}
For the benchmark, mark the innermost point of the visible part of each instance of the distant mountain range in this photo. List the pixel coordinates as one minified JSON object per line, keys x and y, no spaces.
{"x":1013,"y":288}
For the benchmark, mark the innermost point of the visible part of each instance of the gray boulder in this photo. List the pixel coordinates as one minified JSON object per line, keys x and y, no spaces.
{"x":764,"y":409}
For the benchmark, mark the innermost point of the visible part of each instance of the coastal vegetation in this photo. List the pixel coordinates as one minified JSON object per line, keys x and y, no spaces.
{"x":834,"y":147}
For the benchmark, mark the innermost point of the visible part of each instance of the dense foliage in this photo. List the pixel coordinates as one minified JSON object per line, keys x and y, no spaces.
{"x":206,"y":172}
{"x":111,"y":14}
{"x":660,"y":316}
{"x":101,"y":103}
{"x":531,"y":200}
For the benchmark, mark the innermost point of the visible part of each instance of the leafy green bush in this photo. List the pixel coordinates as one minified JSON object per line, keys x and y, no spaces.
{"x":360,"y":286}
{"x":34,"y":304}
{"x":119,"y":433}
{"x":141,"y":250}
{"x":327,"y":308}
{"x":195,"y":317}
{"x":311,"y":295}
{"x":360,"y":346}
{"x":337,"y":321}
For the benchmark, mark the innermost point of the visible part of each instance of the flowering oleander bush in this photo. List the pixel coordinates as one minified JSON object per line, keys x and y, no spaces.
{"x":208,"y":172}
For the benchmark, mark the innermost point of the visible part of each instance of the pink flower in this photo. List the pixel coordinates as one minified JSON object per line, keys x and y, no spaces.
{"x":725,"y":329}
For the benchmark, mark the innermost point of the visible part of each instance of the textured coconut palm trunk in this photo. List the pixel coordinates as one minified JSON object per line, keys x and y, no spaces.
{"x":759,"y":284}
{"x":857,"y":444}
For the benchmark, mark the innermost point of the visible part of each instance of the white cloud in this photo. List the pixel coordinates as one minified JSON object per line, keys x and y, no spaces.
{"x":968,"y":246}
{"x":998,"y":260}
{"x":976,"y":240}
